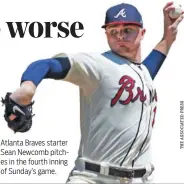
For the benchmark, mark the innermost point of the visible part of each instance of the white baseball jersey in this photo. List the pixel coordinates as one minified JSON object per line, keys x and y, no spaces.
{"x":117,"y":105}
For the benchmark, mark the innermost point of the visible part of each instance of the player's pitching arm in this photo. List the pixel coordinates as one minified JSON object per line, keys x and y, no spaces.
{"x":156,"y":58}
{"x":170,"y":29}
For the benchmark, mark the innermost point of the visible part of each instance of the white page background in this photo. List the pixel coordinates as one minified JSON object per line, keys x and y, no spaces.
{"x":57,"y":103}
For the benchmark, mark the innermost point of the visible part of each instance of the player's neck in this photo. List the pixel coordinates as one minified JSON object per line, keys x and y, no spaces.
{"x":137,"y":56}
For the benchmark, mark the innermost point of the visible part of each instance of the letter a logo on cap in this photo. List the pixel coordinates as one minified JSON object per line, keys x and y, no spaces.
{"x":121,"y":12}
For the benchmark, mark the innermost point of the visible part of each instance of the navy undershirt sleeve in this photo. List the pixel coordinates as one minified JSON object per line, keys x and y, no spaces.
{"x":54,"y":68}
{"x":153,"y":62}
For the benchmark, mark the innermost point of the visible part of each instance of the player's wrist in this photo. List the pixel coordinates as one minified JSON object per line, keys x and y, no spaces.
{"x":164,"y":46}
{"x":24,"y":95}
{"x":168,"y":40}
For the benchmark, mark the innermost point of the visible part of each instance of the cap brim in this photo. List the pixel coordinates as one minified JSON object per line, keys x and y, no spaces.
{"x":122,"y":22}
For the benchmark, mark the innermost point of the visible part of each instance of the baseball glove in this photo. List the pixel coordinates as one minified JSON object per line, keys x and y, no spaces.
{"x":23,"y":120}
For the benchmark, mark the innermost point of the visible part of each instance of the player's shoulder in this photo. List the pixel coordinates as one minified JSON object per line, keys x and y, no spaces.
{"x":146,"y":71}
{"x":90,"y":55}
{"x":144,"y":68}
{"x":83,"y":56}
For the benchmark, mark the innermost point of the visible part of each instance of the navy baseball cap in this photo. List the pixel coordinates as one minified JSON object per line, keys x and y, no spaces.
{"x":122,"y":14}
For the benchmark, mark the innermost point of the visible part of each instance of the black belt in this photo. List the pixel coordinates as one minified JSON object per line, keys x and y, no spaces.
{"x":113,"y":171}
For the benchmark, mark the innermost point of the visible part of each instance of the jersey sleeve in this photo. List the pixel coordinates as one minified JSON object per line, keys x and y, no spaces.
{"x":154,"y":61}
{"x":85,"y":71}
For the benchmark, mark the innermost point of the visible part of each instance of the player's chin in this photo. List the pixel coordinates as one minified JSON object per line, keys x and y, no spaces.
{"x":121,"y":49}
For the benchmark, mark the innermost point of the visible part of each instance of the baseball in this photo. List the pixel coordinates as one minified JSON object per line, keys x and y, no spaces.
{"x":174,"y":14}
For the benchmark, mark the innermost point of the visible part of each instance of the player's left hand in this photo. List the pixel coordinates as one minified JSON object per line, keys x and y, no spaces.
{"x":18,"y":117}
{"x":170,"y":25}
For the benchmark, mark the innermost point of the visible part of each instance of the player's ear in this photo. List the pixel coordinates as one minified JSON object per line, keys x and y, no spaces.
{"x":143,"y":31}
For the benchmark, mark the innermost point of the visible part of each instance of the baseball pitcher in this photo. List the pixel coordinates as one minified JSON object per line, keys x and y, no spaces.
{"x":117,"y":98}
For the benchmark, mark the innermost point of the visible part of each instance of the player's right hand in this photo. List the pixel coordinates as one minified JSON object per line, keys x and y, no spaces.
{"x":170,"y":25}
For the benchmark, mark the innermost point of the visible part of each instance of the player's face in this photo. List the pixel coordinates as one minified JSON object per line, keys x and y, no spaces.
{"x":124,"y":39}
